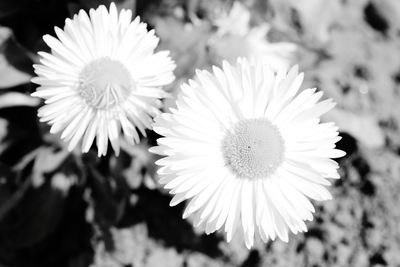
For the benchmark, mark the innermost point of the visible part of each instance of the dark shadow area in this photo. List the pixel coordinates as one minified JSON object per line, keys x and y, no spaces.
{"x":253,"y":260}
{"x":47,"y":229}
{"x":23,"y":133}
{"x":375,"y":19}
{"x":165,"y":223}
{"x":348,"y":144}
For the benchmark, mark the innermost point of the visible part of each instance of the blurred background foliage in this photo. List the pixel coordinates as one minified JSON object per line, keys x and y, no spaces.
{"x":67,"y":209}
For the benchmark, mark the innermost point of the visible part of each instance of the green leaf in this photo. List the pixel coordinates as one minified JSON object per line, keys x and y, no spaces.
{"x":47,"y":161}
{"x":13,"y":99}
{"x":15,"y":64}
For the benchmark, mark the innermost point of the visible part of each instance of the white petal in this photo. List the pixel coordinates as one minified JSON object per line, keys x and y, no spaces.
{"x":77,"y":74}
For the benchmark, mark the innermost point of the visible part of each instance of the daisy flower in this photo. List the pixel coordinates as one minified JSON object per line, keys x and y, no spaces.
{"x":235,"y":38}
{"x":253,"y":46}
{"x":248,"y":151}
{"x":102,"y":75}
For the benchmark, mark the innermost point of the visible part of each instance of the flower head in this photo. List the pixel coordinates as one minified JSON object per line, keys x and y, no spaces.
{"x":234,"y":21}
{"x":235,"y":38}
{"x":248,"y":150}
{"x":102,"y":75}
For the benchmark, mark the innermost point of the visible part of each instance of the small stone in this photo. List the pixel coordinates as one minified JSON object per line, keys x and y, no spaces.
{"x":164,"y":257}
{"x":364,"y":127}
{"x":201,"y":260}
{"x":315,"y":249}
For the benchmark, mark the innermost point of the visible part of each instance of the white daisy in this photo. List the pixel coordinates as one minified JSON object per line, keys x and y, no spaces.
{"x":235,"y":38}
{"x":253,"y":46}
{"x":234,"y":21}
{"x":102,"y":74}
{"x":248,"y":150}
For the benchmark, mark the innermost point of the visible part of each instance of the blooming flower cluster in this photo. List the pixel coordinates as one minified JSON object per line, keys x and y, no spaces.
{"x":244,"y":145}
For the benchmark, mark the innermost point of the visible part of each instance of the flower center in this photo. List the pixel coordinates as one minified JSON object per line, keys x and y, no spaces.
{"x":253,"y":148}
{"x":104,"y":83}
